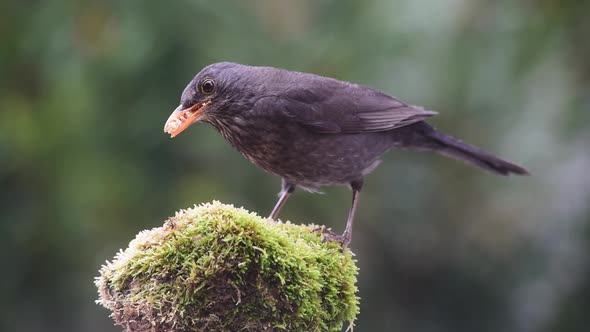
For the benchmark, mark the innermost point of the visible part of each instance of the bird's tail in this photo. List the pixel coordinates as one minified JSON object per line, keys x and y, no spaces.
{"x":426,"y":136}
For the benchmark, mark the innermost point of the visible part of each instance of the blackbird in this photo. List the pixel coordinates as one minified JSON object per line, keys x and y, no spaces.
{"x":314,"y":131}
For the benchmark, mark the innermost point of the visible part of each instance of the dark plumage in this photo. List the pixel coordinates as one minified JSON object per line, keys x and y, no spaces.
{"x":313,"y":131}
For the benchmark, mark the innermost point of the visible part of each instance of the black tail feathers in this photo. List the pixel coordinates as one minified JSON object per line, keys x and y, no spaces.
{"x":431,"y":139}
{"x":454,"y":148}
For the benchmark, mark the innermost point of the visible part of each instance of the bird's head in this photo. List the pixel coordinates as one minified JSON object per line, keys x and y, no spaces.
{"x":219,"y":91}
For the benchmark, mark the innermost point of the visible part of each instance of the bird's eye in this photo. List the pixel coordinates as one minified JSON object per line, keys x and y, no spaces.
{"x":208,"y":86}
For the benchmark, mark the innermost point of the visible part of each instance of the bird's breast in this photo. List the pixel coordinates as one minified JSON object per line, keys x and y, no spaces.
{"x":259,"y":140}
{"x":305,"y":158}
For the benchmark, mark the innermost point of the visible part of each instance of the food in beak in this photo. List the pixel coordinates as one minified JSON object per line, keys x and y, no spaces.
{"x":181,"y":118}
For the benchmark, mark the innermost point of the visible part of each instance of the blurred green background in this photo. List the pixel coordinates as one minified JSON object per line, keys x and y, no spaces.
{"x":85,"y":88}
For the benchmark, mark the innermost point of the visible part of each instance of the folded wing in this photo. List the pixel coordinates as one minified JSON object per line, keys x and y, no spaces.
{"x":329,"y":106}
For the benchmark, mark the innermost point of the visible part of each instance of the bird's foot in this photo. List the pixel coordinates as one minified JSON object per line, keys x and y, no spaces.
{"x":328,"y":235}
{"x":321,"y":229}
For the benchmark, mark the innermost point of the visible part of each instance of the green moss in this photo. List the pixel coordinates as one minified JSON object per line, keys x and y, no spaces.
{"x":218,"y":268}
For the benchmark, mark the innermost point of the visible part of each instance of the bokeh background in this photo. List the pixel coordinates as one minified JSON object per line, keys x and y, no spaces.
{"x":85,"y":88}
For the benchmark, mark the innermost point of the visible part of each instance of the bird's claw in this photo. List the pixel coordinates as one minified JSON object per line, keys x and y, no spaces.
{"x":321,"y":229}
{"x":328,"y":235}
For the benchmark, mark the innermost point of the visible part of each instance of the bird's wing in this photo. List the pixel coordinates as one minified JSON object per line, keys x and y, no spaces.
{"x":331,"y":106}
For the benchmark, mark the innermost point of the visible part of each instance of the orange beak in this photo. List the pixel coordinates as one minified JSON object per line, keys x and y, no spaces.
{"x":181,"y":118}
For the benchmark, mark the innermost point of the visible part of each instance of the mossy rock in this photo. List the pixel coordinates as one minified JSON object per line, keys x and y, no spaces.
{"x":219,"y":268}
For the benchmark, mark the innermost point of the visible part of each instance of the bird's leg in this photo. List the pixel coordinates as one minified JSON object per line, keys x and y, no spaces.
{"x":286,"y":189}
{"x":346,"y":237}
